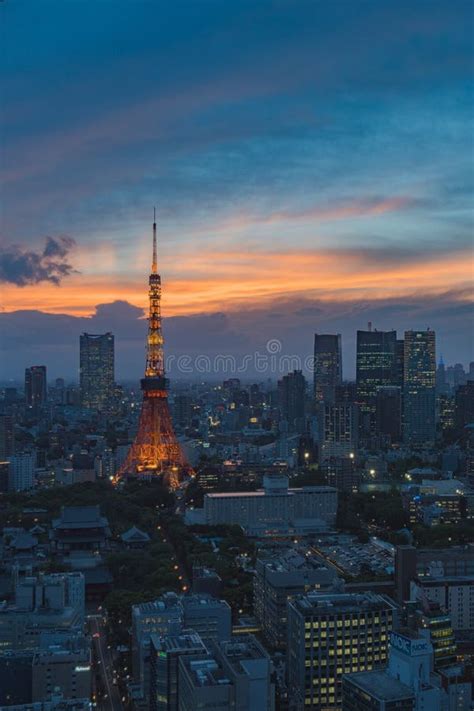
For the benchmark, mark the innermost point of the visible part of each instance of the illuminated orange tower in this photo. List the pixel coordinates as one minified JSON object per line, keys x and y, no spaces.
{"x":156,"y":450}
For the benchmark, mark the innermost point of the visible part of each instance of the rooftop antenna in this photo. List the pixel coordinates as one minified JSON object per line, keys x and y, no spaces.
{"x":154,"y":263}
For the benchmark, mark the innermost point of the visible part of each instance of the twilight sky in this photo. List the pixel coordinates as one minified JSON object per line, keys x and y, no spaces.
{"x":311,"y":164}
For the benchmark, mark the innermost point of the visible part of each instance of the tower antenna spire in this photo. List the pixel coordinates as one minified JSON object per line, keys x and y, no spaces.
{"x":154,"y":266}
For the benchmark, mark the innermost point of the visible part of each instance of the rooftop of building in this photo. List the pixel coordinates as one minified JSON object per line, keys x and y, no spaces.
{"x":380,"y":685}
{"x":167,"y":602}
{"x":77,"y":647}
{"x":328,"y":603}
{"x":434,"y":580}
{"x":456,"y":671}
{"x":187,"y":641}
{"x":23,"y":541}
{"x":291,"y":560}
{"x":206,"y":672}
{"x":277,"y":492}
{"x":201,"y":572}
{"x":42,"y":615}
{"x":409,"y":632}
{"x":134,"y":534}
{"x":201,"y":601}
{"x":246,"y":648}
{"x":52,"y":705}
{"x":80,"y":517}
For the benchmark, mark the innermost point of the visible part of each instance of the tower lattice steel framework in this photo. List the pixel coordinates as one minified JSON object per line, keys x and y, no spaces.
{"x":155,"y":451}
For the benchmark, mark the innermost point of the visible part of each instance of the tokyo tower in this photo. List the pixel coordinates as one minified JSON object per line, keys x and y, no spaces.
{"x":155,"y":451}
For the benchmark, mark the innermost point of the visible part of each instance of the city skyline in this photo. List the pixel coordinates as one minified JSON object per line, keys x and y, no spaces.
{"x":236,"y":355}
{"x":312,"y":175}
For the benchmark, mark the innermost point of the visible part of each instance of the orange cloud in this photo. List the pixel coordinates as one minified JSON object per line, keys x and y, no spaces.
{"x":211,"y":281}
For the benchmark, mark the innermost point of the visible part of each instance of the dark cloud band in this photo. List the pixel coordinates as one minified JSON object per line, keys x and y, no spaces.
{"x":24,"y":267}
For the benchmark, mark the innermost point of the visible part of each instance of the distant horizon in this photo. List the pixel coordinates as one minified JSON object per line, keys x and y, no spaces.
{"x":214,"y":376}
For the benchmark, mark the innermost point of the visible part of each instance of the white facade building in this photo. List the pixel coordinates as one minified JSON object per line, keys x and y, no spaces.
{"x":274,"y":509}
{"x":455,"y":594}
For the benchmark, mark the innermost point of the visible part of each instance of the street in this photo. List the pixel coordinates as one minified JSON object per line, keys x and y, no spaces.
{"x":110,"y":699}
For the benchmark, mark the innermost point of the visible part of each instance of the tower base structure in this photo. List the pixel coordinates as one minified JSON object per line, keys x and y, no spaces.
{"x":156,"y":450}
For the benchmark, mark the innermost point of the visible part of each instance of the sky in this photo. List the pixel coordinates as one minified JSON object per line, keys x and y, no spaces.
{"x":311,"y":164}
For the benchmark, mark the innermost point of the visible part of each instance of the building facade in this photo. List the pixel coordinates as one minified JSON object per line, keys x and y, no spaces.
{"x":339,"y":430}
{"x":376,"y":366}
{"x":21,"y":471}
{"x":36,"y":390}
{"x":97,"y":372}
{"x":454,"y":594}
{"x":419,"y":390}
{"x":277,"y":579}
{"x":330,"y":635}
{"x":291,"y":398}
{"x":274,"y":509}
{"x":327,"y":366}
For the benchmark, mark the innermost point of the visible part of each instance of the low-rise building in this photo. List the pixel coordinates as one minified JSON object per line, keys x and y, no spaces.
{"x":80,"y":528}
{"x":250,"y":670}
{"x":275,"y":509}
{"x":168,"y":617}
{"x":164,"y":667}
{"x":210,"y":618}
{"x":21,"y":471}
{"x":455,"y":594}
{"x":410,"y":681}
{"x":63,"y":667}
{"x":204,"y":685}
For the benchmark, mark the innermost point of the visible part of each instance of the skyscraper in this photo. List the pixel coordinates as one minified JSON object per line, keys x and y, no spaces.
{"x":419,"y":401}
{"x":464,"y":405}
{"x":327,"y":366}
{"x":338,"y":430}
{"x":35,"y":386}
{"x":376,"y":367}
{"x":96,"y":369}
{"x":442,"y":387}
{"x":388,"y":409}
{"x":291,"y":396}
{"x":7,"y":437}
{"x":399,"y":362}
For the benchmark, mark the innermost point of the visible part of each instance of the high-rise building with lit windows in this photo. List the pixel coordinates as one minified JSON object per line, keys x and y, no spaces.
{"x":376,"y":367}
{"x":327,"y":366}
{"x":419,"y":391}
{"x":339,"y":430}
{"x":96,"y":370}
{"x":330,"y":635}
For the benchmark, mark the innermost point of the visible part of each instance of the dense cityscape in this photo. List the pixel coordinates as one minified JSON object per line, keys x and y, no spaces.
{"x":236,"y":355}
{"x":283,"y":545}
